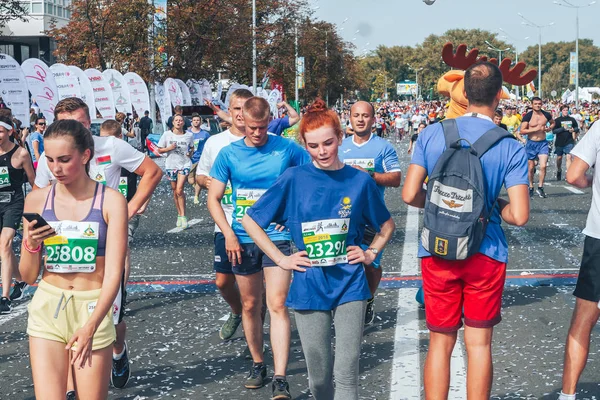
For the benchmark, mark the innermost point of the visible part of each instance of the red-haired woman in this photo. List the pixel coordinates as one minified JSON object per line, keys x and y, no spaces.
{"x":326,"y":206}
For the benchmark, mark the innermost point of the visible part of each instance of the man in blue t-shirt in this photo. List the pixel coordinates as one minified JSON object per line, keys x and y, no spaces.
{"x":252,"y":166}
{"x":377,"y":157}
{"x":35,"y":140}
{"x":199,"y":139}
{"x":278,"y":125}
{"x":472,"y":287}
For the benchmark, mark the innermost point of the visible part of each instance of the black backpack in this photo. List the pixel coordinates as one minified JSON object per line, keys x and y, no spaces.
{"x":456,"y":215}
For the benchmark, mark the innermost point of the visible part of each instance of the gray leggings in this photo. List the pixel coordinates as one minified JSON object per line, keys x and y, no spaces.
{"x":314,"y":328}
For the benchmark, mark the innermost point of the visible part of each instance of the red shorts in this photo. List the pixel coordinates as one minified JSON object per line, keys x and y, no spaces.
{"x":471,"y":287}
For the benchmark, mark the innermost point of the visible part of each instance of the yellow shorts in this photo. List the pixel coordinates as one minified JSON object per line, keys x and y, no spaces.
{"x":56,"y":314}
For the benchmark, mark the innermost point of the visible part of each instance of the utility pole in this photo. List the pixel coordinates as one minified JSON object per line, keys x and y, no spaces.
{"x":539,"y":28}
{"x":254,"y":45}
{"x":516,"y":52}
{"x":296,"y":64}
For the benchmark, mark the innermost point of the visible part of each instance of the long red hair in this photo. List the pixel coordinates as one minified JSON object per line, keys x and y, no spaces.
{"x":318,"y":116}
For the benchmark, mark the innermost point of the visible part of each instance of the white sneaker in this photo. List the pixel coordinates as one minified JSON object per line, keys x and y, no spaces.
{"x":184,"y":223}
{"x":196,"y":200}
{"x":178,"y":221}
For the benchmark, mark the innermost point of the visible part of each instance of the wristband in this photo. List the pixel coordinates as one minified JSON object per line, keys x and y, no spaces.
{"x":32,"y":251}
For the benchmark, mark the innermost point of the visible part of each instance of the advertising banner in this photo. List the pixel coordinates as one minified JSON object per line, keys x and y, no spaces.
{"x":163,"y":101}
{"x":119,"y":89}
{"x":66,"y":82}
{"x":42,"y":86}
{"x":13,"y":88}
{"x":174,"y":92}
{"x":195,"y":89}
{"x":300,"y":72}
{"x":573,"y":67}
{"x":185,"y":93}
{"x":85,"y":88}
{"x":138,"y":93}
{"x":407,"y":88}
{"x":103,"y":96}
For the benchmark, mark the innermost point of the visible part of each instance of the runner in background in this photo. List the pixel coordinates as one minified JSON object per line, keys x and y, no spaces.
{"x":200,"y":133}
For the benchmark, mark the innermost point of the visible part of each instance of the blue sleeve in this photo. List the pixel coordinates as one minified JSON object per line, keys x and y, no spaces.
{"x":277,"y":126}
{"x":376,"y":212}
{"x":220,"y":170}
{"x":299,"y":155}
{"x":390,"y":159}
{"x":516,"y":171}
{"x":273,"y":204}
{"x":418,"y":157}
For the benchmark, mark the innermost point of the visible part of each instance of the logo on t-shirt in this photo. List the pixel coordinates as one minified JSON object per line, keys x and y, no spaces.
{"x":346,"y":207}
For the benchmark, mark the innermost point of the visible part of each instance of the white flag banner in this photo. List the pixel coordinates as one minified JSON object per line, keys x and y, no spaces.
{"x":195,"y":89}
{"x":206,"y":91}
{"x":219,"y":92}
{"x":119,"y":90}
{"x":138,"y":93}
{"x":174,"y":92}
{"x":66,"y":82}
{"x":85,"y":87}
{"x":185,"y":93}
{"x":13,"y":88}
{"x":164,"y":103}
{"x":42,"y":86}
{"x":103,"y":95}
{"x":273,"y":99}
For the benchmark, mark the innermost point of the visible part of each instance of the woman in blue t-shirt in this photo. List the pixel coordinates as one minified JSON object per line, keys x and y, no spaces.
{"x":326,"y":205}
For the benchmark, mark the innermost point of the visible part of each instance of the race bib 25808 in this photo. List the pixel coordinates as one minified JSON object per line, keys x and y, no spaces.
{"x":74,"y":247}
{"x":325,"y":241}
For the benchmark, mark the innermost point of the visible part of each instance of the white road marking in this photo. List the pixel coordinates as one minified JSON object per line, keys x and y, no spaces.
{"x":545,"y":270}
{"x":16,"y":312}
{"x":159,"y":276}
{"x":574,"y":190}
{"x":191,"y":222}
{"x":410,"y":262}
{"x":458,"y":373}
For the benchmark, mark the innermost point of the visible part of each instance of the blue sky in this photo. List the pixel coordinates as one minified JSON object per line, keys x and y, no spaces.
{"x":408,"y":22}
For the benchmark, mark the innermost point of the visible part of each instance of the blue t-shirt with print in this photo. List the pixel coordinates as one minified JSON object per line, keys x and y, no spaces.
{"x":253,"y":170}
{"x":505,"y":164}
{"x":377,"y":155}
{"x":199,"y":140}
{"x":278,"y":125}
{"x":318,"y":198}
{"x":35,"y":137}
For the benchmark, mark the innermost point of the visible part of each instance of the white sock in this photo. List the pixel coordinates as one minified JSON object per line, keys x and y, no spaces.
{"x":118,"y":356}
{"x":566,"y":396}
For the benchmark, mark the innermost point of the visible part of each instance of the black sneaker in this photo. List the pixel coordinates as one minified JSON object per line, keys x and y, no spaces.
{"x":370,"y":312}
{"x":5,"y":305}
{"x":541,"y":193}
{"x":558,"y":175}
{"x":18,"y":291}
{"x":256,"y":377}
{"x":71,"y":395}
{"x":281,"y":390}
{"x":120,"y":371}
{"x":531,"y":192}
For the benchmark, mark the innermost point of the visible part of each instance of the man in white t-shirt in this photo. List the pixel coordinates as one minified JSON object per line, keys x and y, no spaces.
{"x":587,"y":291}
{"x":110,"y":155}
{"x":225,"y":279}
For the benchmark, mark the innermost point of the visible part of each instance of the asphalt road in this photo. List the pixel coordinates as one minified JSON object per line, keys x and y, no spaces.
{"x":174,"y":313}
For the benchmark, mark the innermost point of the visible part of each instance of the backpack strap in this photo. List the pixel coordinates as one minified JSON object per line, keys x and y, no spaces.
{"x":489,"y":139}
{"x":450,"y":130}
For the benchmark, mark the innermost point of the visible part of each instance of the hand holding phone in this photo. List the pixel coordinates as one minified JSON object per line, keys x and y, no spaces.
{"x":38,"y":230}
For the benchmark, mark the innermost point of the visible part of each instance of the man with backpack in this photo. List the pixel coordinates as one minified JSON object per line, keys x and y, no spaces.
{"x":463,"y":248}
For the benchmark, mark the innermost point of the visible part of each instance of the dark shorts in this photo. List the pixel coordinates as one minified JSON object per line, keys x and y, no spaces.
{"x":535,"y":149}
{"x":588,"y":281}
{"x":367,"y":240}
{"x":559,"y":151}
{"x":11,"y":214}
{"x":254,"y":259}
{"x":222,"y":264}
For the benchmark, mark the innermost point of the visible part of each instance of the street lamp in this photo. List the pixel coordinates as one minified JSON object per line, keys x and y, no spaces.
{"x":326,"y":64}
{"x":506,"y":35}
{"x":254,"y":45}
{"x":492,"y":47}
{"x":565,"y":3}
{"x":539,"y":28}
{"x":416,"y":78}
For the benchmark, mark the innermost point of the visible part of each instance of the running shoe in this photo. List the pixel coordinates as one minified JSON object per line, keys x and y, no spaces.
{"x":179,"y":221}
{"x":120,"y":371}
{"x":256,"y":377}
{"x":370,"y":312}
{"x":184,"y":223}
{"x":558,"y":175}
{"x":541,"y":193}
{"x":196,"y":200}
{"x":71,"y":395}
{"x":230,"y":326}
{"x":5,"y":305}
{"x":531,"y":192}
{"x":280,"y":389}
{"x":18,"y":291}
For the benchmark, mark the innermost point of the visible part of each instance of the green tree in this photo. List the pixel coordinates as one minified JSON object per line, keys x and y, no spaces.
{"x":12,"y":10}
{"x":557,"y":78}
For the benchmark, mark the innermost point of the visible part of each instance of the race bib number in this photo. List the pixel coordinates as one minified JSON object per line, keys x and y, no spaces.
{"x":567,"y":124}
{"x":4,"y":177}
{"x":245,"y":199}
{"x":365,"y":163}
{"x":123,"y":185}
{"x":74,"y":247}
{"x":227,"y":199}
{"x":325,"y":241}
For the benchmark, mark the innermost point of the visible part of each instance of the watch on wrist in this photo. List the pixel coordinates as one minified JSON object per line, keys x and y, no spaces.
{"x":371,"y":174}
{"x":373,"y":250}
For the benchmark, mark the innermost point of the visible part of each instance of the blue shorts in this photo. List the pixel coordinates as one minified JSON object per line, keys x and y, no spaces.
{"x":535,"y":149}
{"x":367,"y":240}
{"x":254,"y":259}
{"x":172,"y":173}
{"x":559,"y":151}
{"x":222,"y":264}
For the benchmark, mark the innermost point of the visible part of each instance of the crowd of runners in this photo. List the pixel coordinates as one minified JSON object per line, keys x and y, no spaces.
{"x":311,"y":208}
